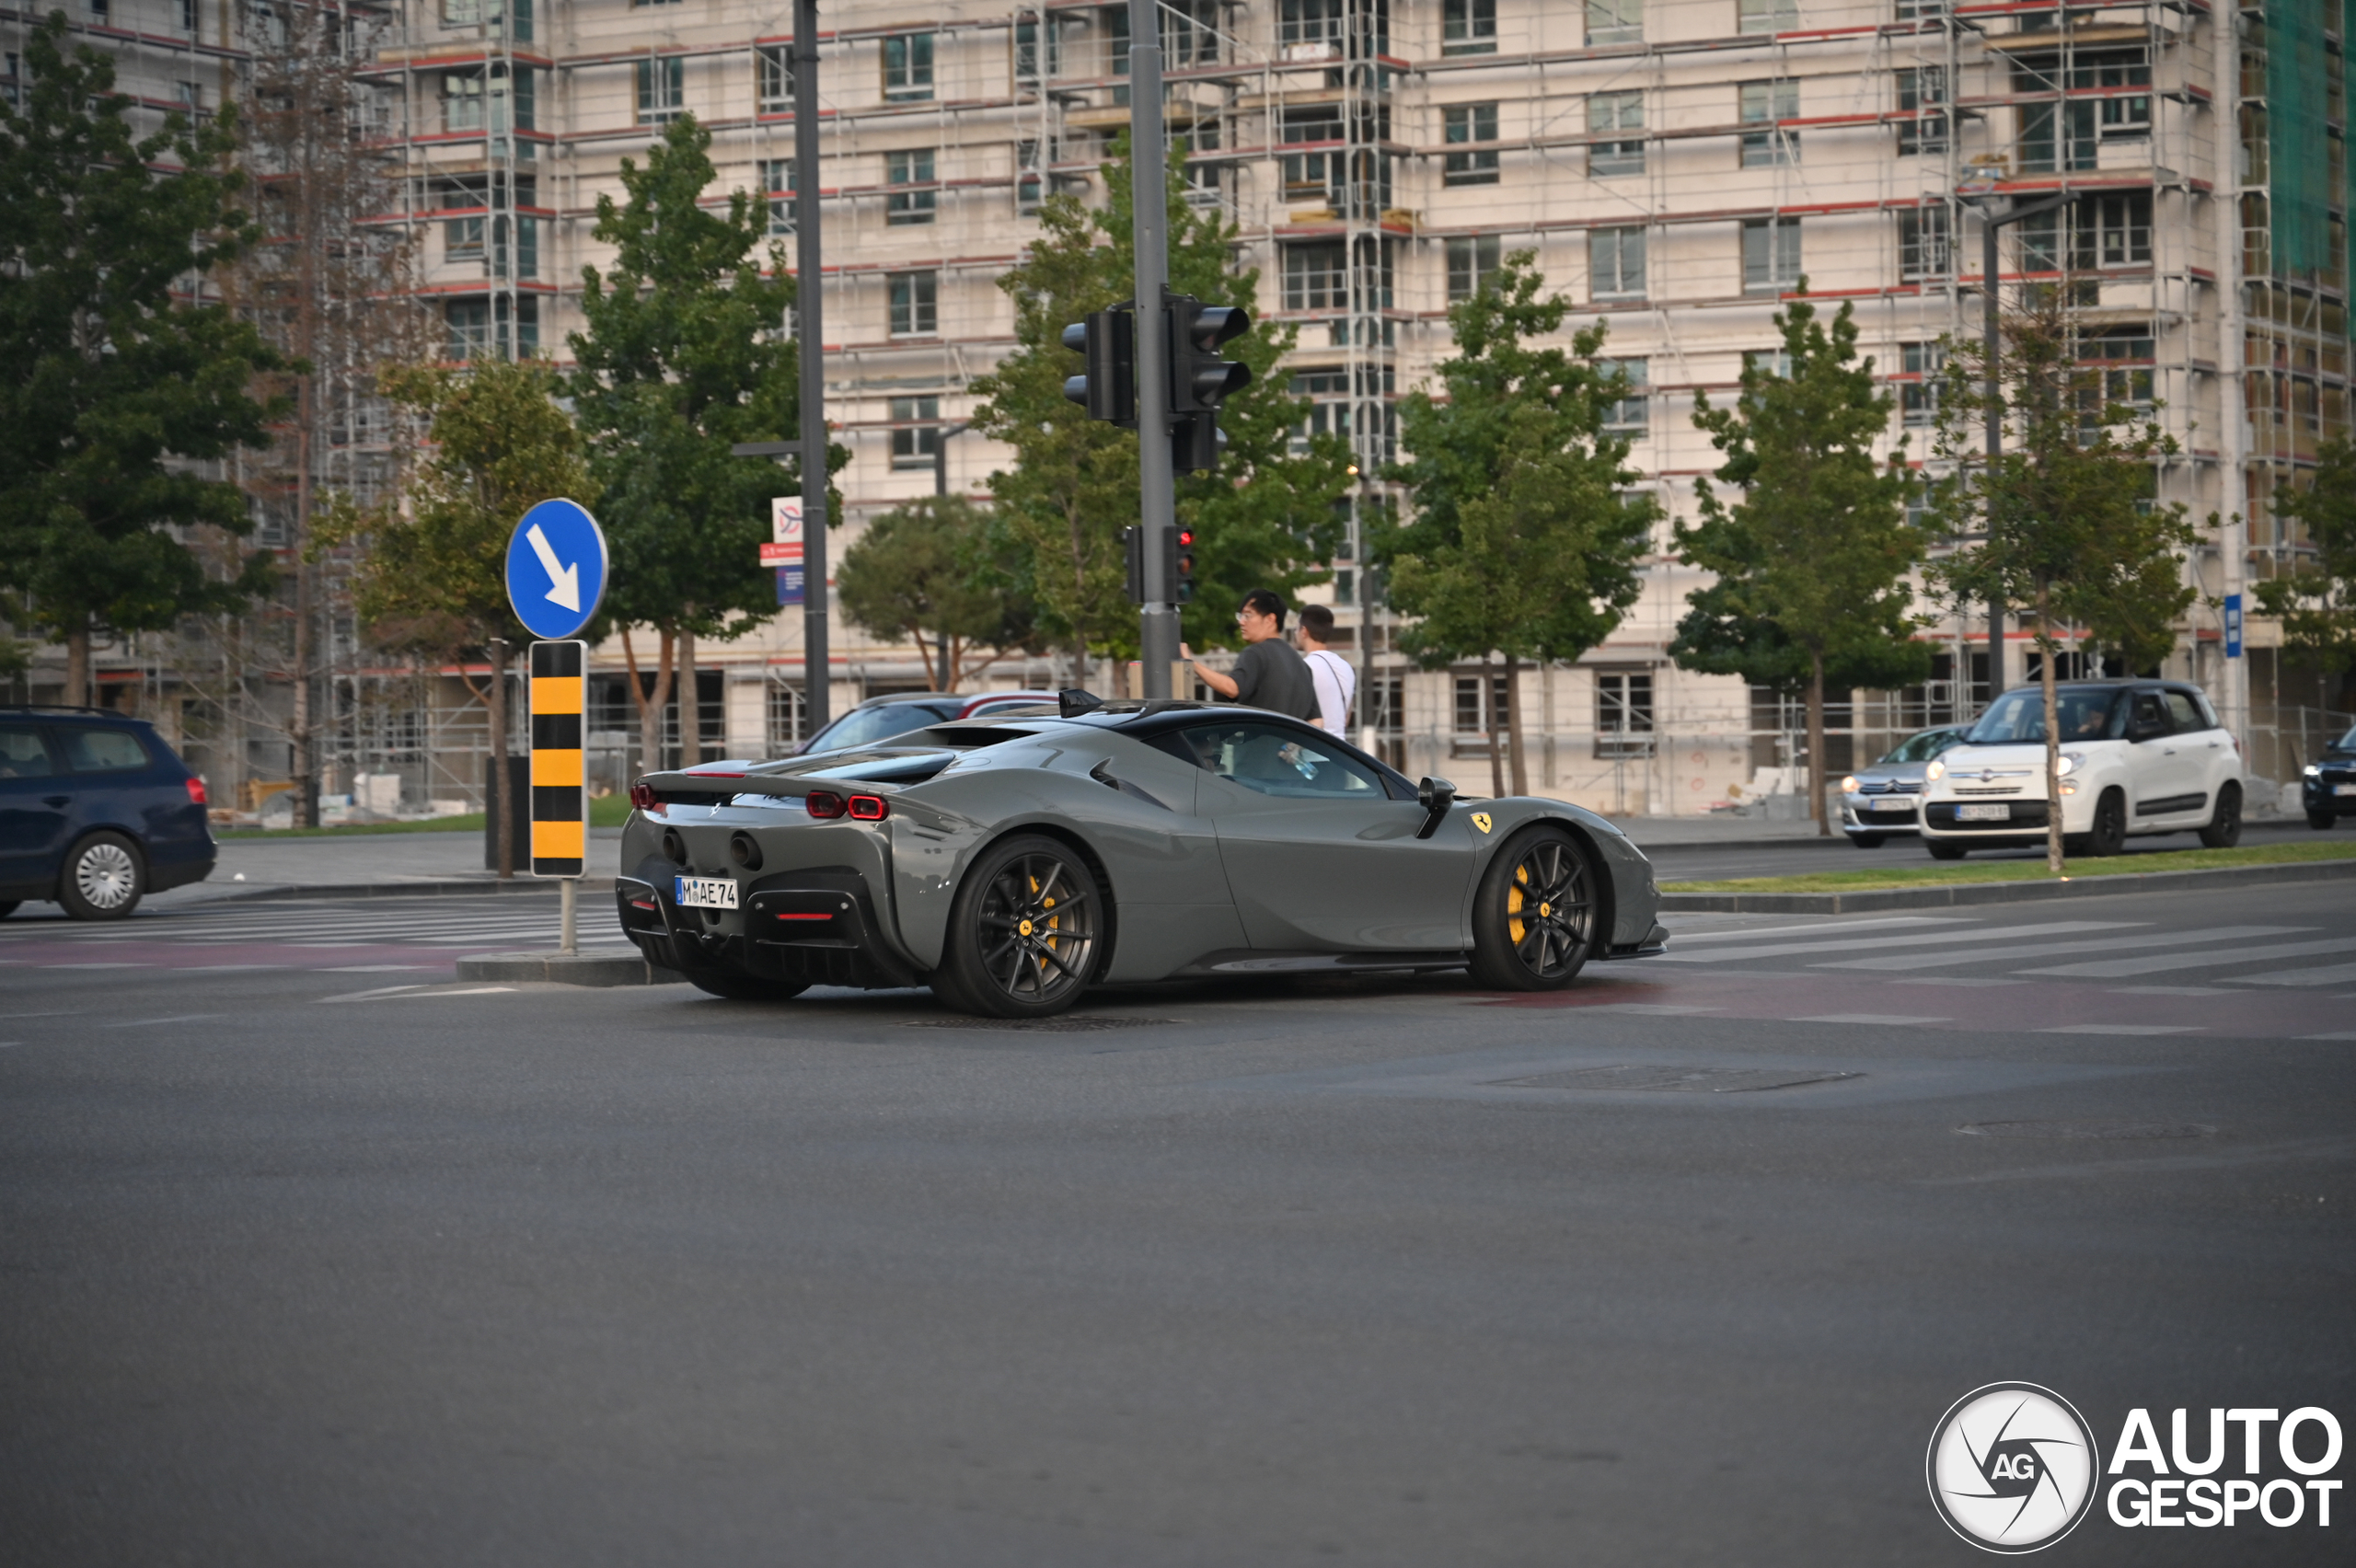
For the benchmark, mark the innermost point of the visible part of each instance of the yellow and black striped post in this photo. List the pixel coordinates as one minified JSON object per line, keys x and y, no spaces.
{"x":559,"y":775}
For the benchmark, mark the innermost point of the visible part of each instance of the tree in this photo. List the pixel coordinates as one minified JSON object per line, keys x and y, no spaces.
{"x":1524,"y":540}
{"x":115,"y":387}
{"x":434,"y":576}
{"x":684,"y":354}
{"x":2065,"y":524}
{"x":1264,"y":520}
{"x":919,"y":572}
{"x":2317,"y":599}
{"x":1810,"y":562}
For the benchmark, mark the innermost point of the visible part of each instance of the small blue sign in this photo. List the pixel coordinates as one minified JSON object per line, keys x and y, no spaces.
{"x":2232,"y":626}
{"x":789,"y":584}
{"x":555,"y":569}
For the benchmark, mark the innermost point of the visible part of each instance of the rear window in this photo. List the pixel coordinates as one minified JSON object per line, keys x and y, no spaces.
{"x":22,"y":756}
{"x":103,"y":751}
{"x":2181,"y":710}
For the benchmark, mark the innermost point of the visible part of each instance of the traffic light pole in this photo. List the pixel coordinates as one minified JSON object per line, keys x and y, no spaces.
{"x":1158,"y":497}
{"x":810,"y":343}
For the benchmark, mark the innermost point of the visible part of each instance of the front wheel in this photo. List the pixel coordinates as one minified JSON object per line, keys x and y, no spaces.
{"x":1025,"y":932}
{"x":1942,"y":850}
{"x":2322,"y":820}
{"x":1534,"y":919}
{"x":2109,"y":835}
{"x":8,"y":906}
{"x":1866,"y":840}
{"x":104,"y":878}
{"x":2224,"y":829}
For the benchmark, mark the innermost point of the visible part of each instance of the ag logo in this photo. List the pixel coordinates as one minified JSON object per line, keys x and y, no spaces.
{"x":1481,"y":820}
{"x":2012,"y":1468}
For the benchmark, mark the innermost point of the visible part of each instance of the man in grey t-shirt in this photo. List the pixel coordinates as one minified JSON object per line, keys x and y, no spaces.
{"x":1269,"y":675}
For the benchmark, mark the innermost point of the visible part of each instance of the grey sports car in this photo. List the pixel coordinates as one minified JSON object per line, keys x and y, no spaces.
{"x":1010,"y":864}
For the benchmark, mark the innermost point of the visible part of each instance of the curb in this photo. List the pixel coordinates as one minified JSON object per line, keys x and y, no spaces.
{"x":2000,"y":892}
{"x":578,"y":969}
{"x":521,"y":884}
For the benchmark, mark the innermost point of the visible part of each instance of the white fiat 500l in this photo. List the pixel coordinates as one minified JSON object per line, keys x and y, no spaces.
{"x":2137,"y":757}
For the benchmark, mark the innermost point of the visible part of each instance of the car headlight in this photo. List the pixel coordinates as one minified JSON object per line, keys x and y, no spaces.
{"x":1936,"y":771}
{"x":2071,"y":761}
{"x":1849,"y":785}
{"x":2312,"y":771}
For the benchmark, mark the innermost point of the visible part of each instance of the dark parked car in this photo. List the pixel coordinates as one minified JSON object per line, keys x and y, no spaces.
{"x":2328,"y":785}
{"x":95,"y":813}
{"x":901,"y":712}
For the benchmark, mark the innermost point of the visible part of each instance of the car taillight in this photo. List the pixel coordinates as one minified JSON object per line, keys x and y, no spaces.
{"x":642,"y":795}
{"x":824,"y":803}
{"x":642,"y":903}
{"x":196,"y":792}
{"x":869,"y":808}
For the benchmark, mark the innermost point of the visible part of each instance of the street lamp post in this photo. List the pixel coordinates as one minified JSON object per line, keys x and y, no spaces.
{"x":1990,"y":222}
{"x":940,"y":453}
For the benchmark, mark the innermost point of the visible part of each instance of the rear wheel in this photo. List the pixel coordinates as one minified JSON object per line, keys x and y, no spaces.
{"x":744,"y":988}
{"x":2321,"y":821}
{"x":1866,"y":840}
{"x":1024,"y":933}
{"x":104,"y":878}
{"x":2224,"y":829}
{"x":2109,"y":835}
{"x":8,"y":906}
{"x":1534,"y":918}
{"x":1942,"y":850}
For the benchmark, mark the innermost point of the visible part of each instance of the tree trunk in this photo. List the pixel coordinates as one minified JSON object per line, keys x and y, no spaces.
{"x":1513,"y":724}
{"x":503,"y":786}
{"x":2046,"y":645}
{"x":924,"y":657}
{"x":1816,"y":745}
{"x":690,"y":705}
{"x":650,"y":704}
{"x":1496,"y":734}
{"x":77,"y":666}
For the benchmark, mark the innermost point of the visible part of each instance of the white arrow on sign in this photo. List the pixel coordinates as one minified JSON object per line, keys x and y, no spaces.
{"x":565,"y":582}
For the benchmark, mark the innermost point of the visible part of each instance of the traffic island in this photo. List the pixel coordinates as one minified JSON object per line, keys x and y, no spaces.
{"x":568,"y":969}
{"x":2008,"y":882}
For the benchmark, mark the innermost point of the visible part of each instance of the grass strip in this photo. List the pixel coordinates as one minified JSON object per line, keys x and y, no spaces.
{"x":2028,"y":870}
{"x":604,"y":811}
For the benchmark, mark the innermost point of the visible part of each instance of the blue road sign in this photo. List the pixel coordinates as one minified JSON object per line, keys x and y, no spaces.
{"x":2232,"y":626}
{"x":555,"y":569}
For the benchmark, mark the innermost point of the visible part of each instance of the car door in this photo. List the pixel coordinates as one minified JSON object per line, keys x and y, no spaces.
{"x":2204,"y":748}
{"x":2165,"y":781}
{"x":34,"y":803}
{"x":1317,"y":855}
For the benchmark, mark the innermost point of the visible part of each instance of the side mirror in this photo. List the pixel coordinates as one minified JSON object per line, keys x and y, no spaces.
{"x":1434,"y":795}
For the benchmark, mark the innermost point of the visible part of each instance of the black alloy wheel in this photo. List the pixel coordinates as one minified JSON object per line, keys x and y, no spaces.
{"x":1025,"y":932}
{"x":2109,"y":835}
{"x":2224,"y":829}
{"x":1534,"y":918}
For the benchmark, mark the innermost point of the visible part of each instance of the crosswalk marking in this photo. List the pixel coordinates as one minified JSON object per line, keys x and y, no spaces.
{"x":327,"y":927}
{"x":2119,"y":1029}
{"x":1890,"y":1018}
{"x":2115,"y":968}
{"x":1984,"y":934}
{"x":1830,"y":925}
{"x":2040,"y":949}
{"x":2331,"y":975}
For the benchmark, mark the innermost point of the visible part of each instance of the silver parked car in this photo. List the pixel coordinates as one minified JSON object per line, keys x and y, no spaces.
{"x":1879,"y":801}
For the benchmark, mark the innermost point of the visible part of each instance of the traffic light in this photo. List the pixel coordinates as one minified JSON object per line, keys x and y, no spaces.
{"x":1133,"y":548}
{"x":1199,"y":380}
{"x":1109,"y":388}
{"x":1180,"y":562}
{"x":1182,"y":569}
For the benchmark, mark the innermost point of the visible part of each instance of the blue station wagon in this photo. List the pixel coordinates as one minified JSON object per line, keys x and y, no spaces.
{"x":95,"y":813}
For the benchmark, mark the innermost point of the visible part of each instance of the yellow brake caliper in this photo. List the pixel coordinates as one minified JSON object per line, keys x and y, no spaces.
{"x":1513,"y":926}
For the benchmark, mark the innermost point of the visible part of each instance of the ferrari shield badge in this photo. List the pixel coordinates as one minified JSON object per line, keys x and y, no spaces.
{"x":1481,"y":821}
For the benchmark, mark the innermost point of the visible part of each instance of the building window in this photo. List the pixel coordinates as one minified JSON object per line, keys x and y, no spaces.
{"x":909,"y":168}
{"x":662,"y":90}
{"x":1607,"y":112}
{"x":1923,"y":243}
{"x":1767,"y":16}
{"x":1468,"y":27}
{"x":1030,"y":178}
{"x":908,"y":67}
{"x":190,"y":96}
{"x":916,"y":431}
{"x":2123,"y":228}
{"x":1919,"y":10}
{"x":1771,"y":256}
{"x":1026,"y":53}
{"x":1918,"y":397}
{"x":1476,"y":702}
{"x":2124,"y":356}
{"x":1615,"y":21}
{"x":777,"y":189}
{"x":1764,"y":103}
{"x":773,"y":77}
{"x":1624,"y":713}
{"x":1923,"y":94}
{"x":1631,"y":418}
{"x":462,"y":238}
{"x":470,"y":325}
{"x":1317,"y":277}
{"x":1189,"y":34}
{"x":1470,"y":259}
{"x":916,"y":305}
{"x":1465,"y":123}
{"x":461,"y":103}
{"x":100,"y":11}
{"x":188,"y":15}
{"x":1615,"y":258}
{"x":786,"y":716}
{"x":1776,"y":362}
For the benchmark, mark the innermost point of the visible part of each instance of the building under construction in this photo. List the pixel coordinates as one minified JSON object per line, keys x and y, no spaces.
{"x":1678,"y":166}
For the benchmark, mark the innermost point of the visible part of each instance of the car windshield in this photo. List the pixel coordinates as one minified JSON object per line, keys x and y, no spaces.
{"x":2346,"y":742}
{"x":2020,"y":716}
{"x":865,"y":726}
{"x":1923,"y":747}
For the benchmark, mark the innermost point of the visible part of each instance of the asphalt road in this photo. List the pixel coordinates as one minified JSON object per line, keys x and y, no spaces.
{"x":310,"y":1255}
{"x":1795,"y":856}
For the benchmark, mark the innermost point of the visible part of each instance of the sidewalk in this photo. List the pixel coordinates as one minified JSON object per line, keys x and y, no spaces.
{"x":370,"y":861}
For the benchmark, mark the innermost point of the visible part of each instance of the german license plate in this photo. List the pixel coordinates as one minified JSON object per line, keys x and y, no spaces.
{"x":1902,"y":805}
{"x":705,"y":893}
{"x":1994,"y":812}
{"x":2344,"y":789}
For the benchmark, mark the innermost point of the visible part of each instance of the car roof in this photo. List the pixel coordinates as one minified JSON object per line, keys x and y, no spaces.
{"x":62,"y":713}
{"x":885,"y":699}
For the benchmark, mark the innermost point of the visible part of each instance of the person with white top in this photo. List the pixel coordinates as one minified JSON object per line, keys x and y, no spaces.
{"x":1335,"y":679}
